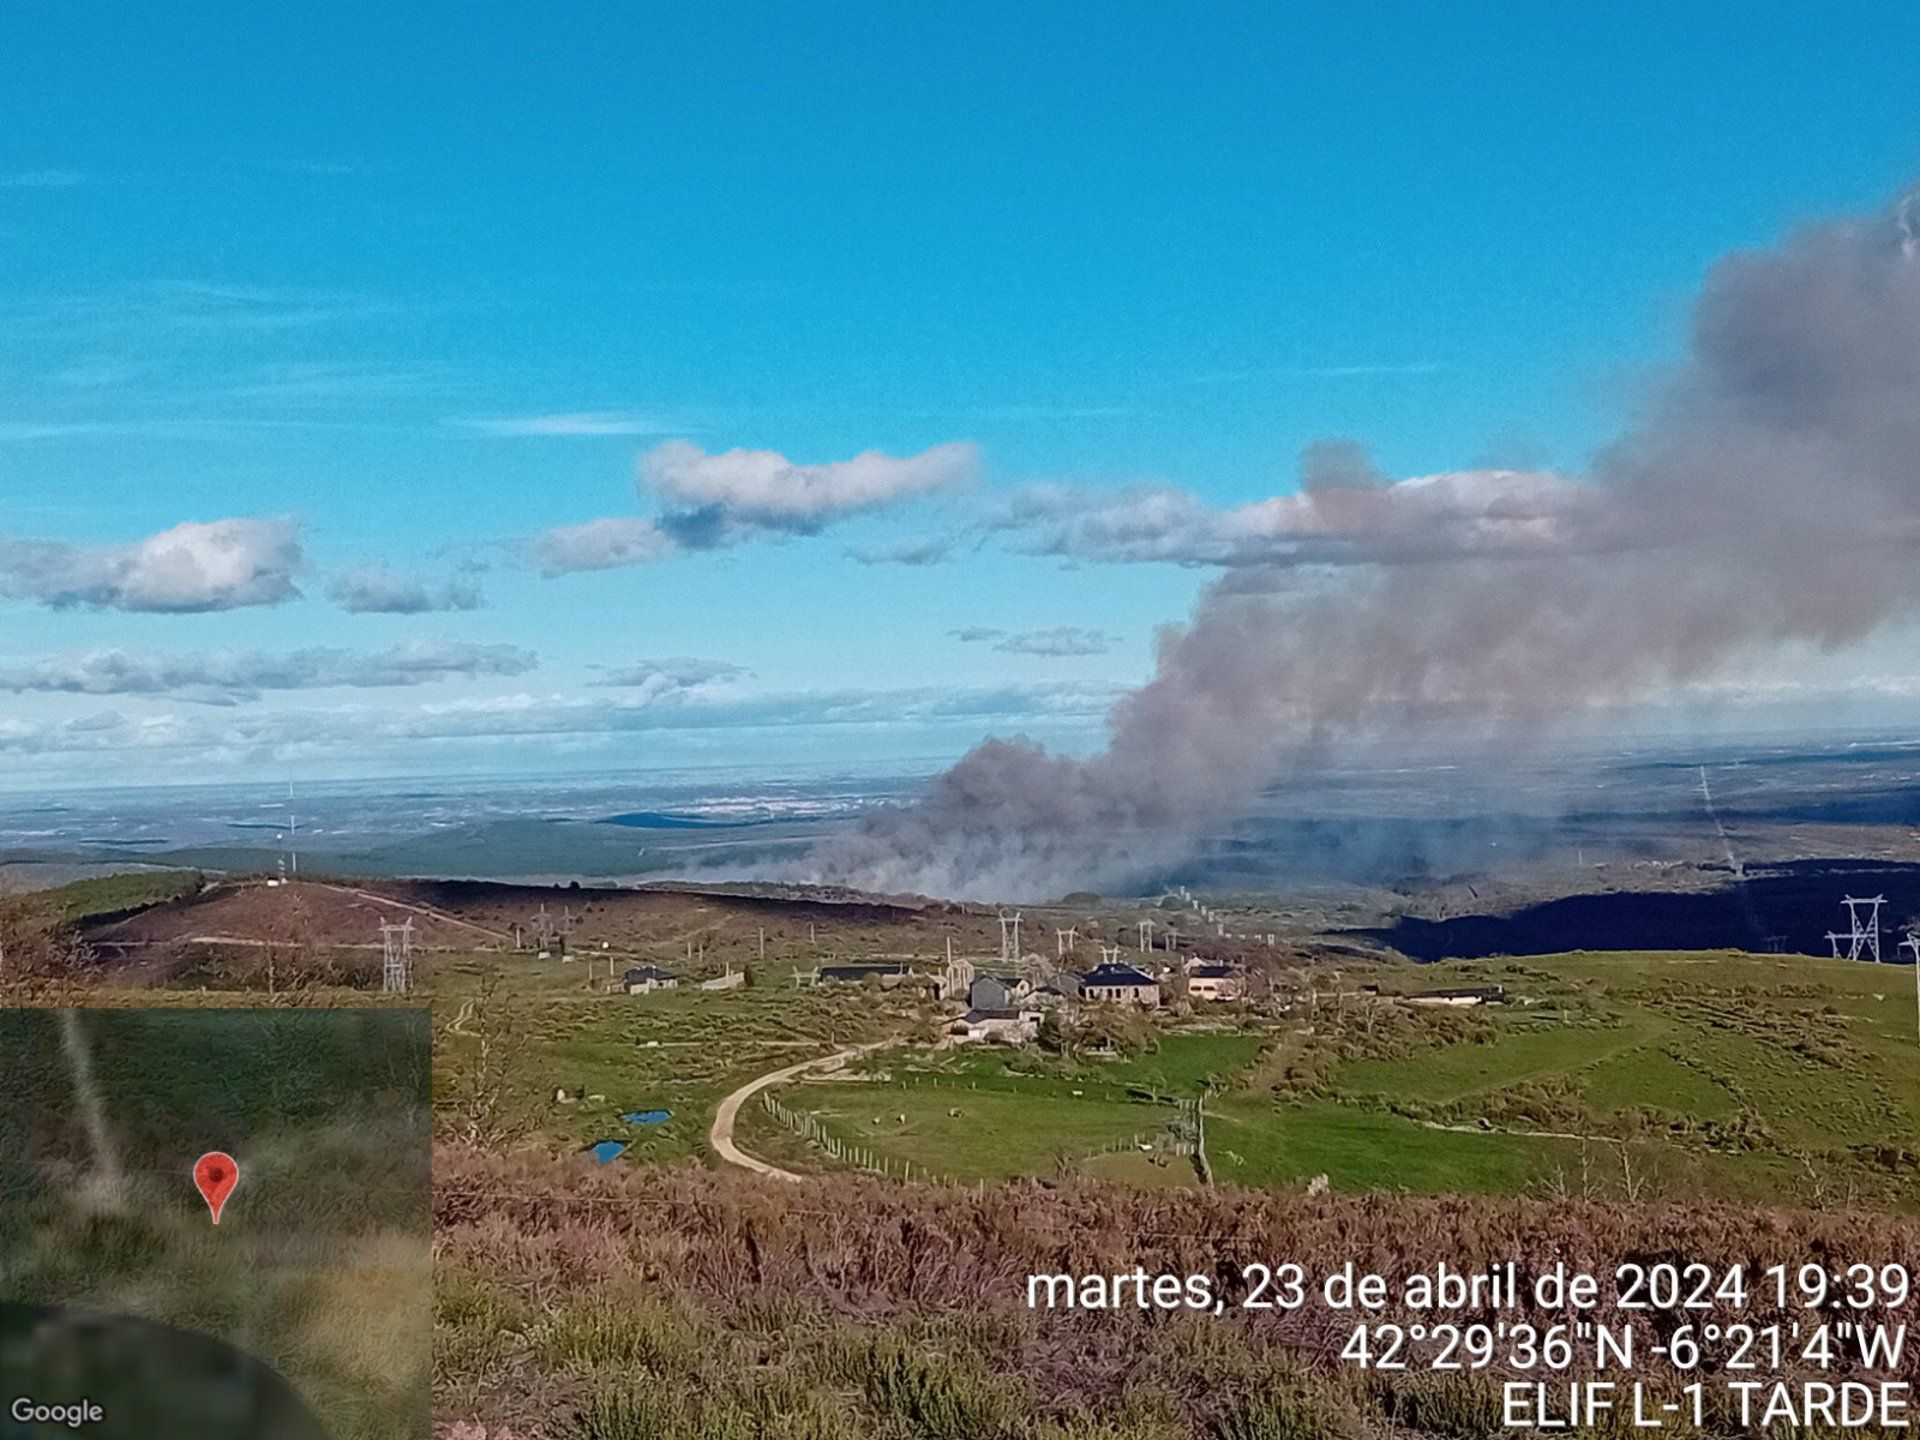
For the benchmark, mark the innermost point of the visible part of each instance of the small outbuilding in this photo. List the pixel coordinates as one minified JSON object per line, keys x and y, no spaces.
{"x":1207,"y":981}
{"x":1014,"y":1026}
{"x":1460,"y":997}
{"x":645,"y":979}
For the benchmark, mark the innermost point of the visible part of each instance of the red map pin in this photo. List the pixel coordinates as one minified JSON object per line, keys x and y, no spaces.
{"x":216,"y":1174}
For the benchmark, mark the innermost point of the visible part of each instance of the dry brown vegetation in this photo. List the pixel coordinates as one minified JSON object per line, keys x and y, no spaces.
{"x":40,"y":963}
{"x":578,"y":1302}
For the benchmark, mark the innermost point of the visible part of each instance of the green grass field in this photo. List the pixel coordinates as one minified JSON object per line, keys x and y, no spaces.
{"x":609,"y":1055}
{"x":1745,"y":1077}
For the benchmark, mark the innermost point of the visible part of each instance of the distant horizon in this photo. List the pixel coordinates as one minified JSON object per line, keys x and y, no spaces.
{"x":915,"y":770}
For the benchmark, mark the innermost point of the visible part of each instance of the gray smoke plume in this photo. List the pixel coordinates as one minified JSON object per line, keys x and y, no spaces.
{"x":1768,"y":495}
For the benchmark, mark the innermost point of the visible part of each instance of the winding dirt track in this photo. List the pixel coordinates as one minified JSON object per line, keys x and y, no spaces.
{"x":721,"y":1135}
{"x":430,"y":911}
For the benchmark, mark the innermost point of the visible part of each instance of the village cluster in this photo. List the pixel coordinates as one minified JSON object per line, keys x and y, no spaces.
{"x":1009,"y":1005}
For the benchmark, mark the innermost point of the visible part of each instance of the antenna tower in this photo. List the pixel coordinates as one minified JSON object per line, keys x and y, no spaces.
{"x":396,"y":946}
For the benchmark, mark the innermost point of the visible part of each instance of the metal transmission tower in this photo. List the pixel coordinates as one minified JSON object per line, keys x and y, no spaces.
{"x":1010,"y":935}
{"x":1146,"y":936}
{"x":396,"y":946}
{"x":1863,"y":939}
{"x":1063,"y":941}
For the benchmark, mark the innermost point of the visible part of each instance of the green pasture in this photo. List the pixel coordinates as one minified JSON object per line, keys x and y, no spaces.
{"x":1747,"y":1077}
{"x":569,"y":1061}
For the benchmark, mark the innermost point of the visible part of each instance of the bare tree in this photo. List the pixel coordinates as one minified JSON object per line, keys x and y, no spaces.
{"x":485,"y":1112}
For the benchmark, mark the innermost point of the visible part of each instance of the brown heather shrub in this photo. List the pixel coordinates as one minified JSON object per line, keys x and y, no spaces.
{"x":686,"y":1302}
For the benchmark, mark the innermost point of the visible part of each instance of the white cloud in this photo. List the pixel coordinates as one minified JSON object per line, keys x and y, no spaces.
{"x":601,"y":545}
{"x":678,"y":677}
{"x":227,"y":679}
{"x":376,"y":589}
{"x":1344,"y":519}
{"x":709,"y":501}
{"x":215,"y":565}
{"x":717,"y":499}
{"x":1060,"y":642}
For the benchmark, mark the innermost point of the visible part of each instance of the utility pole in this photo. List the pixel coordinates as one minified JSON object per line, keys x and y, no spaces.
{"x":1912,"y":942}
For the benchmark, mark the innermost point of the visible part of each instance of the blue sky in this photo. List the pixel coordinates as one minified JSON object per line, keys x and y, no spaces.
{"x":408,"y":292}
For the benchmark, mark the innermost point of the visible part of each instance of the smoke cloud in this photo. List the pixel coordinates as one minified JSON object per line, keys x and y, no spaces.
{"x":1768,"y":495}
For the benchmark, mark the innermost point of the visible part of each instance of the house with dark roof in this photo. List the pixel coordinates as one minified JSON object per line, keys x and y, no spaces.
{"x":645,"y":979}
{"x":1119,"y":984}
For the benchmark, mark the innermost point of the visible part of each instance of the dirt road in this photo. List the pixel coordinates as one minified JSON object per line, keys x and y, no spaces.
{"x":723,"y":1118}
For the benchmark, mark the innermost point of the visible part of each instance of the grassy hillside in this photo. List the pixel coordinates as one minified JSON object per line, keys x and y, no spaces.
{"x":113,"y":894}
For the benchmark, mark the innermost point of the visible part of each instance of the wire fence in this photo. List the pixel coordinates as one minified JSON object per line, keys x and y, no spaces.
{"x":809,"y":1128}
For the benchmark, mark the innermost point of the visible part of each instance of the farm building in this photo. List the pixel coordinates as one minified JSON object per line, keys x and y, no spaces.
{"x":645,"y":979}
{"x":1121,"y":984}
{"x":997,"y":1024}
{"x":996,"y":992}
{"x":1461,"y":996}
{"x":1204,"y":980}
